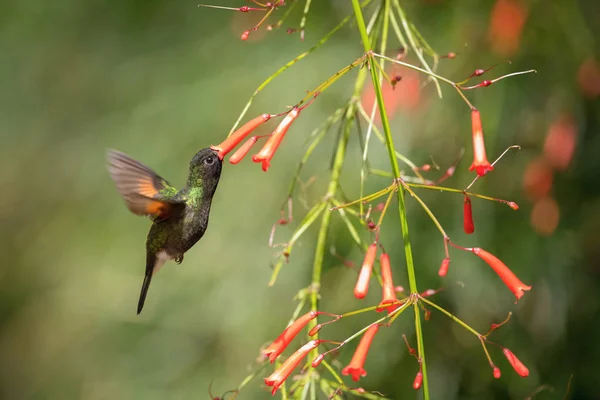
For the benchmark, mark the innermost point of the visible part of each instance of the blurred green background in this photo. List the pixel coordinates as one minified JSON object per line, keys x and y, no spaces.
{"x":160,"y":80}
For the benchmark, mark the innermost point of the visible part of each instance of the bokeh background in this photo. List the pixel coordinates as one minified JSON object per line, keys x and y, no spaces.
{"x":160,"y":80}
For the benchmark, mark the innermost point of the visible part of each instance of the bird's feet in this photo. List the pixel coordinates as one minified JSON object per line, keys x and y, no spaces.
{"x":179,"y":259}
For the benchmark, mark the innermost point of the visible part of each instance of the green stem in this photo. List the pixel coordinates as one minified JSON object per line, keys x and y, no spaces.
{"x":396,"y":170}
{"x":451,"y":316}
{"x":338,"y":162}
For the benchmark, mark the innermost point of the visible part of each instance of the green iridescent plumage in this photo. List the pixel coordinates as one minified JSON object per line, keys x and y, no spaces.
{"x":180,"y":217}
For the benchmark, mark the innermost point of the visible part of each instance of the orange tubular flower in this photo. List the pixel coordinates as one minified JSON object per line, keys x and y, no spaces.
{"x":468,"y":216}
{"x":266,"y":153}
{"x":236,"y":137}
{"x":389,"y":293}
{"x":289,"y":333}
{"x":362,"y":284}
{"x":508,"y":277}
{"x":481,"y":165}
{"x":243,"y":150}
{"x":283,"y":372}
{"x":518,"y":366}
{"x":356,"y":366}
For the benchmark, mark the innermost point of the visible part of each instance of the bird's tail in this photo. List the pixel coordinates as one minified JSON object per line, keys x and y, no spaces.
{"x":151,"y":261}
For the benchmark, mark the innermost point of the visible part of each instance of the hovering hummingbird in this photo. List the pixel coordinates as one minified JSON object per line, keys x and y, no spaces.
{"x":180,"y":218}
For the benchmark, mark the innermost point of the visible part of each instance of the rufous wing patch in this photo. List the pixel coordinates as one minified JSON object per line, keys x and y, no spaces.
{"x":141,"y":187}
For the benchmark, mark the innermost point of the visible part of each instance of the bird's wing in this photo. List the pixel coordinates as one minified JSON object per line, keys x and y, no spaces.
{"x":144,"y":191}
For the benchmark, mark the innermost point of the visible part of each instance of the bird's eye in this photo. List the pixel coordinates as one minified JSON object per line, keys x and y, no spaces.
{"x":209,"y":160}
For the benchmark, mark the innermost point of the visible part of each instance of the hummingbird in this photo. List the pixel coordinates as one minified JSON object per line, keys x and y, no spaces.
{"x":180,"y":217}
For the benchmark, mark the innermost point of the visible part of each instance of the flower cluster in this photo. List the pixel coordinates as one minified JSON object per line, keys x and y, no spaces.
{"x":268,"y":150}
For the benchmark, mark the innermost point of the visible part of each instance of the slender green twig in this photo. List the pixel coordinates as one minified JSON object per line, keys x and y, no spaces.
{"x":289,"y":64}
{"x":401,"y":205}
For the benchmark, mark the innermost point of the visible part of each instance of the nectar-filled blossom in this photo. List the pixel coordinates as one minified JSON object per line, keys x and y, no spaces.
{"x":468,"y":216}
{"x":265,"y":155}
{"x":243,"y":150}
{"x":508,"y":277}
{"x":356,"y":366}
{"x":362,"y":284}
{"x":240,"y":134}
{"x":277,"y":378}
{"x":480,"y":164}
{"x":517,"y":365}
{"x":289,"y":333}
{"x":389,"y":301}
{"x":444,"y":267}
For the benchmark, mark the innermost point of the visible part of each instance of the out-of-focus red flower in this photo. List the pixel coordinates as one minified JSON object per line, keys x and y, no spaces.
{"x":517,"y":365}
{"x":545,"y":216}
{"x":588,"y":78}
{"x":362,"y":284}
{"x":537,"y":179}
{"x":405,"y":95}
{"x":508,"y":277}
{"x":506,"y":26}
{"x":288,"y":334}
{"x":468,"y":216}
{"x":356,"y":366}
{"x":560,"y":142}
{"x":277,"y":378}
{"x":480,"y":164}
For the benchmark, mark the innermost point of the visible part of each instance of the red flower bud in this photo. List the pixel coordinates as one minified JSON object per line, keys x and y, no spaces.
{"x":517,"y":365}
{"x":289,"y":333}
{"x":389,"y":301}
{"x":513,"y":205}
{"x":314,"y":330}
{"x":245,"y":35}
{"x":362,"y":284}
{"x":243,"y":150}
{"x":236,"y":137}
{"x":356,"y":366}
{"x":497,"y":373}
{"x":444,"y":267}
{"x":277,"y":378}
{"x":317,"y":361}
{"x":508,"y":277}
{"x":418,"y":381}
{"x":468,"y":216}
{"x":480,"y":164}
{"x":266,"y":153}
